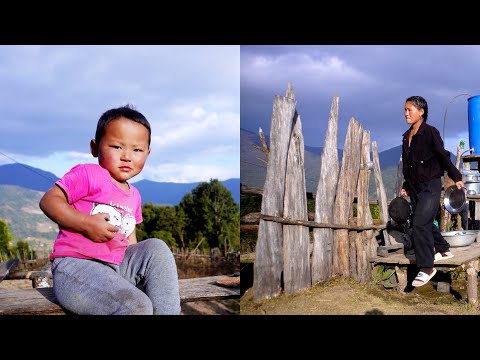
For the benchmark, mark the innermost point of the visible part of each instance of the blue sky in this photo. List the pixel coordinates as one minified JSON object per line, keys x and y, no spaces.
{"x":372,"y":83}
{"x":52,"y":96}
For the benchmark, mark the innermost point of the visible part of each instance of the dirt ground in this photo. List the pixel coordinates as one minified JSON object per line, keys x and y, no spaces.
{"x":220,"y":307}
{"x":347,"y":297}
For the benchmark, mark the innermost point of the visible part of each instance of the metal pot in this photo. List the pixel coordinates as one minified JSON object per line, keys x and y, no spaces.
{"x":472,"y":178}
{"x":473,"y":187}
{"x":460,"y":237}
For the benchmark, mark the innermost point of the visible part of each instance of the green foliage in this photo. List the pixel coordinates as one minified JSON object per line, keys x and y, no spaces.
{"x":23,"y":252}
{"x":165,"y":236}
{"x":5,"y":239}
{"x":207,"y":217}
{"x":375,"y":211}
{"x":250,"y":203}
{"x":212,"y":215}
{"x":161,"y":222}
{"x":384,"y":276}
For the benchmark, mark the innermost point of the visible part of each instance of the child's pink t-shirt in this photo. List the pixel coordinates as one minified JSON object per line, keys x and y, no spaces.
{"x":91,"y":190}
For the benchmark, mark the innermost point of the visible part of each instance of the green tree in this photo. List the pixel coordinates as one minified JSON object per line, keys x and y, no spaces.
{"x":22,"y":249}
{"x":159,"y":222}
{"x":212,"y":211}
{"x":179,"y":226}
{"x":5,"y":239}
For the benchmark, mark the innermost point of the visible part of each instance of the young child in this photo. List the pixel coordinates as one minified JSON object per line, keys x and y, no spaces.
{"x":97,"y":264}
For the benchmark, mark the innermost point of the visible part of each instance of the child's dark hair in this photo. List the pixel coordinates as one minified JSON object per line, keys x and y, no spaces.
{"x":420,"y":103}
{"x":126,"y":111}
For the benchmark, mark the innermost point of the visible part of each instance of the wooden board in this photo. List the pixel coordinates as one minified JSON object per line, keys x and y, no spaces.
{"x":42,"y":301}
{"x":7,"y":266}
{"x":462,"y":255}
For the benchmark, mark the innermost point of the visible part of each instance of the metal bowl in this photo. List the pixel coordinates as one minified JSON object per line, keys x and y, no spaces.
{"x":454,"y":200}
{"x":460,"y":237}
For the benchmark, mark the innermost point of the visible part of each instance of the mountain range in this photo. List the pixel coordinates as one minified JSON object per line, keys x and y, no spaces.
{"x":22,"y":186}
{"x":160,"y":193}
{"x":253,"y":171}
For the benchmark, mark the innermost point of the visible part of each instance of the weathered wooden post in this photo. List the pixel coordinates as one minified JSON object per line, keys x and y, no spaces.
{"x":365,"y":245}
{"x":382,"y":197}
{"x":325,"y":200}
{"x":347,"y":184}
{"x":296,"y":240}
{"x":399,"y":180}
{"x":268,"y":265}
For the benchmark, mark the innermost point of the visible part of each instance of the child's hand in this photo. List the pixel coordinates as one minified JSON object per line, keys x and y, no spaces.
{"x":98,"y":229}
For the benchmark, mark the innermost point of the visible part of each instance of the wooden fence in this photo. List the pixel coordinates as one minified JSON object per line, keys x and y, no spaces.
{"x":284,"y":260}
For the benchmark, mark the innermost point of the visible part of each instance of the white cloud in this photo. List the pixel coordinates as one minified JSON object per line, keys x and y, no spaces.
{"x":52,"y":96}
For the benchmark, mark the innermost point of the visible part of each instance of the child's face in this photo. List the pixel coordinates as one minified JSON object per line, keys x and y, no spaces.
{"x":123,"y":149}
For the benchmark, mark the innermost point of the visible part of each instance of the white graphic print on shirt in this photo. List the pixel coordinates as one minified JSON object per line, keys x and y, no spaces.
{"x":125,"y":225}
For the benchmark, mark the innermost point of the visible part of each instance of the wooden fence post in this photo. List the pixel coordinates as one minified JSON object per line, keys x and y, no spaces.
{"x":325,"y":200}
{"x":269,"y":248}
{"x":296,"y":240}
{"x":382,"y":197}
{"x":365,"y":247}
{"x":347,"y":184}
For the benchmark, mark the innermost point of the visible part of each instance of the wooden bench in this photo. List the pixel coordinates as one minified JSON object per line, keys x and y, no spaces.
{"x":42,"y":301}
{"x":466,"y":257}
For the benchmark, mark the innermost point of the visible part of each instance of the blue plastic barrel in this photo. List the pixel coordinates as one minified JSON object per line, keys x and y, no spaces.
{"x":474,"y":123}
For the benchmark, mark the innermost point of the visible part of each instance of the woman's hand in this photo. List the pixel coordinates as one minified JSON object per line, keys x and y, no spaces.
{"x":460,"y":185}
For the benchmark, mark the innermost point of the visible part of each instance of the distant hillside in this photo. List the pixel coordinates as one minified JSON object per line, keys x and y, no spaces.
{"x":19,"y":207}
{"x":172,"y":193}
{"x":27,"y":177}
{"x":252,"y":171}
{"x":155,"y":192}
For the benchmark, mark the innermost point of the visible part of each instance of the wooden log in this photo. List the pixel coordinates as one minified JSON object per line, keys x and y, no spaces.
{"x":401,"y":273}
{"x":253,"y":190}
{"x":444,"y":214}
{"x":325,"y":200}
{"x":42,"y":301}
{"x":352,"y":253}
{"x":7,"y":267}
{"x":386,"y":250}
{"x":251,"y":218}
{"x":264,"y":147}
{"x":248,"y":227}
{"x":347,"y":184}
{"x":472,"y":284}
{"x":250,"y":190}
{"x":25,"y":274}
{"x":269,"y":248}
{"x":296,"y":253}
{"x":457,"y":165}
{"x":364,"y":216}
{"x":399,"y":181}
{"x":381,"y":195}
{"x":320,"y":225}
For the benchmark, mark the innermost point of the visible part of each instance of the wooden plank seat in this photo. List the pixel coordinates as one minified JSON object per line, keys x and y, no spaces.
{"x":466,"y":257}
{"x":42,"y":301}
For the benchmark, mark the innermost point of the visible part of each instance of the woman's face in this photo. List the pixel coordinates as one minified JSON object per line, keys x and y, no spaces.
{"x":412,"y":114}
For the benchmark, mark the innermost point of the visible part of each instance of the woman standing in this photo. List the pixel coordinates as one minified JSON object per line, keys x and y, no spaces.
{"x":424,"y":162}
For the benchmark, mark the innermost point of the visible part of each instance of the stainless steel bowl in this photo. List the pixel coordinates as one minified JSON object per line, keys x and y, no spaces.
{"x":454,"y":200}
{"x":460,"y":237}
